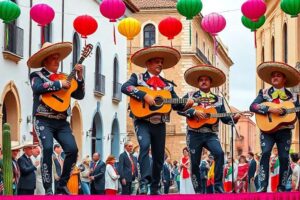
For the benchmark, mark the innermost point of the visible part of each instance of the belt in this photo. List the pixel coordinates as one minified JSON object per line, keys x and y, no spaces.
{"x":202,"y":130}
{"x":58,"y":116}
{"x":156,"y":119}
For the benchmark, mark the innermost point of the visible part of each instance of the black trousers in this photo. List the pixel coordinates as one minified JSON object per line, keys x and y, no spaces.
{"x":25,"y":192}
{"x":47,"y":129}
{"x":153,"y":135}
{"x":167,"y":187}
{"x":196,"y":141}
{"x":282,"y":138}
{"x":126,"y":189}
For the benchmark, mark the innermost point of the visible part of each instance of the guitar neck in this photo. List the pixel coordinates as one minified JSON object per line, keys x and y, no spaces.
{"x":73,"y":72}
{"x":293,"y":110}
{"x":179,"y":101}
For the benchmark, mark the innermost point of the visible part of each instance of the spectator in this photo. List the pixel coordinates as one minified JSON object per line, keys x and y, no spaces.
{"x":97,"y":175}
{"x":111,"y":176}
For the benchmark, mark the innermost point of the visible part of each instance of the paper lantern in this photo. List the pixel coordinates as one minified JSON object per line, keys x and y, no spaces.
{"x":9,"y":11}
{"x":290,"y":7}
{"x":129,"y":27}
{"x":254,"y":9}
{"x":253,"y":26}
{"x":213,"y":23}
{"x":189,"y":8}
{"x":170,"y":27}
{"x":85,"y":25}
{"x":112,"y":9}
{"x":42,"y":14}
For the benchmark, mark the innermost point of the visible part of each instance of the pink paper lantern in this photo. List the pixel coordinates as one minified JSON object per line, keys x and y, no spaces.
{"x":213,"y":23}
{"x":254,"y":9}
{"x":42,"y":14}
{"x":112,"y":9}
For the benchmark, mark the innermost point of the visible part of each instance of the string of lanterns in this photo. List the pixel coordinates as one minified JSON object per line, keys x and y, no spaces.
{"x":253,"y":17}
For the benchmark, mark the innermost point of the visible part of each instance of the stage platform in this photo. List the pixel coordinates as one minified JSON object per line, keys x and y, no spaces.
{"x":254,"y":196}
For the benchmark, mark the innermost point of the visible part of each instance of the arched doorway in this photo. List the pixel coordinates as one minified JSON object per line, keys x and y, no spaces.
{"x":115,"y":138}
{"x":97,"y":134}
{"x":76,"y":125}
{"x":11,"y":110}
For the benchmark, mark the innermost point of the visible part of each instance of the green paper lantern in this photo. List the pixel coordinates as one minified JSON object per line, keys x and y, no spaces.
{"x":9,"y":11}
{"x":291,"y":7}
{"x":189,"y":8}
{"x":253,"y":26}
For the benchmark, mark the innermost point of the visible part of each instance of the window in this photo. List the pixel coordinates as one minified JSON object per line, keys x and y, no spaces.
{"x":76,"y":50}
{"x":149,"y":35}
{"x":116,"y":85}
{"x":99,"y":78}
{"x":273,"y":48}
{"x":285,"y":43}
{"x":263,"y":54}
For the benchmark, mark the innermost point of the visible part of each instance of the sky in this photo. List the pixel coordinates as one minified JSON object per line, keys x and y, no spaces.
{"x":240,"y":42}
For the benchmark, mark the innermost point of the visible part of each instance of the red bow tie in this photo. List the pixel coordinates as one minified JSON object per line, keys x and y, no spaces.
{"x":156,"y":82}
{"x":54,"y":77}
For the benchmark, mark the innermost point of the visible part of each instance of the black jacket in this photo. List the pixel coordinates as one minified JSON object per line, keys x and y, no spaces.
{"x":27,"y":179}
{"x":99,"y":175}
{"x":124,"y":167}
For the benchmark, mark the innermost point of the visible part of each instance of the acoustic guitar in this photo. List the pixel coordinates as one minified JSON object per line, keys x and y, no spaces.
{"x":163,"y":101}
{"x":212,"y":117}
{"x":60,"y":100}
{"x":271,"y":122}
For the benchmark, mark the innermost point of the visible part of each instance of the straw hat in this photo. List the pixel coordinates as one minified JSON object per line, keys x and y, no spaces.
{"x":62,"y":48}
{"x":192,"y":75}
{"x":15,"y":145}
{"x":264,"y":71}
{"x":29,"y":144}
{"x":170,"y":55}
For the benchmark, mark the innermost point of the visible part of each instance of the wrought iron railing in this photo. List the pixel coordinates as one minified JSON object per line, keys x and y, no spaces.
{"x":13,"y":39}
{"x":100,"y":84}
{"x":117,"y":94}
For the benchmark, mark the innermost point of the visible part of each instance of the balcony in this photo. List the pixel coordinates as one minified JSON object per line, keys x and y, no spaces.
{"x":202,"y":57}
{"x":13,"y":43}
{"x":99,"y":85}
{"x":117,"y":94}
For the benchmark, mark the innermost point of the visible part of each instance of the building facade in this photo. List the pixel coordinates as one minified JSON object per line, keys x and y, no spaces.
{"x":279,"y":40}
{"x":195,"y":46}
{"x":99,"y":120}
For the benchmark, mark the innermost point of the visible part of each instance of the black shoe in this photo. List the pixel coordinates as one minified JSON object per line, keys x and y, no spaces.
{"x":63,"y":190}
{"x":262,"y":189}
{"x":48,"y":191}
{"x":143,"y":189}
{"x":219,"y":189}
{"x":154,"y":192}
{"x":280,"y":189}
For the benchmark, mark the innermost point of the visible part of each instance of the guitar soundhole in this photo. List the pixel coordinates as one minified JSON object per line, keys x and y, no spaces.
{"x":159,"y":101}
{"x":284,"y":112}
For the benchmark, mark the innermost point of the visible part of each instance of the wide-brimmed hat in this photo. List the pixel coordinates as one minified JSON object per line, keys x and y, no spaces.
{"x":264,"y":71}
{"x":192,"y":75}
{"x":29,"y":144}
{"x":15,"y":145}
{"x":170,"y":55}
{"x":62,"y":48}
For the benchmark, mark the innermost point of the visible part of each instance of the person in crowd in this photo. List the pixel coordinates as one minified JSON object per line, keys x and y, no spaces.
{"x":251,"y":172}
{"x":58,"y":161}
{"x":186,"y":186}
{"x":167,"y":177}
{"x":241,"y":185}
{"x":36,"y":157}
{"x":84,"y":176}
{"x":127,"y":168}
{"x":111,"y":176}
{"x":27,"y":181}
{"x":97,"y":175}
{"x":176,"y":174}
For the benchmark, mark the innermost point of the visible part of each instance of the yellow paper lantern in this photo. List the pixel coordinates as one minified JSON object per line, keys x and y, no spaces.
{"x":129,"y":27}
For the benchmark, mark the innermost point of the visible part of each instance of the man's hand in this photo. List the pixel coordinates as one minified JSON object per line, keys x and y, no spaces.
{"x":92,"y":178}
{"x":36,"y":163}
{"x":79,"y":70}
{"x":189,"y":104}
{"x":149,"y":100}
{"x":277,"y":111}
{"x":200,"y":115}
{"x":65,"y":84}
{"x":123,"y":181}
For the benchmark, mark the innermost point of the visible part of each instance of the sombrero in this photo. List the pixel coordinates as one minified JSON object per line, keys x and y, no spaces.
{"x":29,"y":144}
{"x":192,"y":75}
{"x":62,"y":48}
{"x":264,"y":71}
{"x":15,"y":145}
{"x":170,"y":55}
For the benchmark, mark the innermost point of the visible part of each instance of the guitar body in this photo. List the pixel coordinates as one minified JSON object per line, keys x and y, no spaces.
{"x":141,"y":109}
{"x":194,"y":123}
{"x":271,"y":122}
{"x":60,"y":100}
